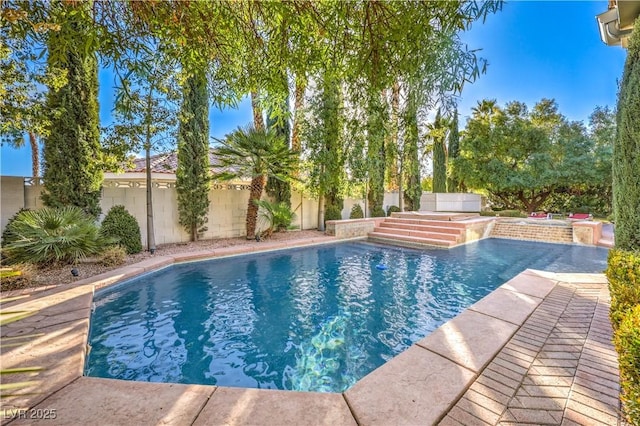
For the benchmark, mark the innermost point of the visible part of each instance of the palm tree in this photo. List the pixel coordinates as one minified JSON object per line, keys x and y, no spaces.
{"x":255,"y":153}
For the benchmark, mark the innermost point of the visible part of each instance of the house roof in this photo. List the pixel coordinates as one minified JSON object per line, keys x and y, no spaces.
{"x":166,"y":163}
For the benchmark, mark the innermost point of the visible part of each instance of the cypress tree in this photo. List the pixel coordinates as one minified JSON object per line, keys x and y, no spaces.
{"x":192,"y":174}
{"x":279,"y":121}
{"x":72,"y":169}
{"x":439,"y":156}
{"x":411,"y":163}
{"x":454,"y":151}
{"x":376,"y":135}
{"x":626,"y":151}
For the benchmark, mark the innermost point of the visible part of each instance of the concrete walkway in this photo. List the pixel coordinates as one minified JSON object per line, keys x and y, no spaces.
{"x":536,"y":350}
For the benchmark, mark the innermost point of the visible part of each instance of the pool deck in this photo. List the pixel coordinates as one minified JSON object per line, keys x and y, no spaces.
{"x":535,"y":351}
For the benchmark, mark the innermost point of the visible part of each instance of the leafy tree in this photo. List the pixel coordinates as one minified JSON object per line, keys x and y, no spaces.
{"x":438,"y":133}
{"x":278,"y":120}
{"x":521,"y":158}
{"x":411,"y":163}
{"x":453,"y":150}
{"x":192,"y":174}
{"x":324,"y":145}
{"x":254,"y":153}
{"x":145,"y":114}
{"x":377,"y":117}
{"x":626,"y":152}
{"x":72,"y":153}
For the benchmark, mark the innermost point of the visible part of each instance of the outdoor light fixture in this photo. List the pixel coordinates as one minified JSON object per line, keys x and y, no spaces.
{"x":75,"y":272}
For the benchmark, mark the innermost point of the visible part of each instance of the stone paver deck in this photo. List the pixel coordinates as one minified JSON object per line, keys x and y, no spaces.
{"x":535,"y":351}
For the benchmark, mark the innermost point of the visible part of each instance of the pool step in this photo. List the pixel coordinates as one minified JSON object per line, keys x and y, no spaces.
{"x":409,"y":240}
{"x":419,"y":232}
{"x":605,"y":242}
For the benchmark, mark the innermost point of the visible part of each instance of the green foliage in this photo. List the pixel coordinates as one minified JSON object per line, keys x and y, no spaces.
{"x":192,"y":174}
{"x":377,"y":117}
{"x":278,"y":120}
{"x":412,"y":182}
{"x":377,"y":212}
{"x":72,"y":153}
{"x":392,"y":209}
{"x":438,"y":134}
{"x":324,"y":140}
{"x":356,"y":212}
{"x":278,"y":215}
{"x":520,"y":158}
{"x":453,"y":150}
{"x":7,"y":229}
{"x":53,"y":235}
{"x":255,"y":153}
{"x":504,"y":213}
{"x":627,"y":342}
{"x":623,"y":273}
{"x":332,"y":213}
{"x":626,"y":152}
{"x":120,"y":224}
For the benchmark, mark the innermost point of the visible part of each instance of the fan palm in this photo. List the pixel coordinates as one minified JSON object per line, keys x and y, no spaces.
{"x":258,"y":154}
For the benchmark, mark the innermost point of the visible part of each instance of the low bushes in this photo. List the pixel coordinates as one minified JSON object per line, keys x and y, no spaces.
{"x":623,"y":273}
{"x":356,"y":212}
{"x":113,"y":256}
{"x":332,"y":213}
{"x":278,"y":215}
{"x":120,"y":224}
{"x":52,"y":235}
{"x":392,"y":209}
{"x":503,"y":213}
{"x":378,"y":212}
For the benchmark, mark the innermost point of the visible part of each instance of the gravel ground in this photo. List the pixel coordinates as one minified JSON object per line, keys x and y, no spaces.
{"x":61,"y":274}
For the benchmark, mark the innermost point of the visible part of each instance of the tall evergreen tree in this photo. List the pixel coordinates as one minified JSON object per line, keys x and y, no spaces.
{"x":453,"y":151}
{"x":376,"y":134}
{"x":278,"y":120}
{"x":411,"y":162}
{"x":192,"y":174}
{"x":72,"y":168}
{"x":626,"y":151}
{"x":438,"y":133}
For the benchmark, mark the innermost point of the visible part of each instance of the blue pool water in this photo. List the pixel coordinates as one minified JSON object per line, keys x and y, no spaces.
{"x":316,"y":318}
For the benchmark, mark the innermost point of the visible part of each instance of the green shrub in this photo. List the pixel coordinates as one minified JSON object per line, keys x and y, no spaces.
{"x":627,"y":342}
{"x":392,"y":209}
{"x":50,"y":235}
{"x":120,"y":224}
{"x":6,"y":233}
{"x":113,"y":256}
{"x":504,"y":213}
{"x":278,"y":215}
{"x":377,"y":212}
{"x":623,"y":272}
{"x":356,"y":212}
{"x":332,"y":213}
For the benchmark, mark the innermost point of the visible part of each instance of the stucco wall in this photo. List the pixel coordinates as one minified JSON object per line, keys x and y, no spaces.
{"x":11,"y":197}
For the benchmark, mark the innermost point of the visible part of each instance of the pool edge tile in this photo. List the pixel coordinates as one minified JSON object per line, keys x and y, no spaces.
{"x":274,"y":407}
{"x":508,"y":305}
{"x":472,"y":339}
{"x":415,"y":387}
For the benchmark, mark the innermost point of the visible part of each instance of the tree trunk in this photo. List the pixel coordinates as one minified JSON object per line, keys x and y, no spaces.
{"x":35,"y":155}
{"x":257,"y":186}
{"x":321,"y":212}
{"x":258,"y":120}
{"x":151,"y":239}
{"x":393,"y":151}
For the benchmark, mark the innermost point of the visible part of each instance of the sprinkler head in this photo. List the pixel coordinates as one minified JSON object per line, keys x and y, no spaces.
{"x":75,"y":272}
{"x":258,"y":237}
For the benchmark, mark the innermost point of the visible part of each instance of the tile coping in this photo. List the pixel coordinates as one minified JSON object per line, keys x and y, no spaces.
{"x":420,"y":385}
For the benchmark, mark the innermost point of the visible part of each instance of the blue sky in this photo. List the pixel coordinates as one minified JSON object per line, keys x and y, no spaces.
{"x":535,"y":50}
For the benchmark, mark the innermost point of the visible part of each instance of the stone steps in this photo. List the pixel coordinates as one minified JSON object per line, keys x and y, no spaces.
{"x":419,"y":232}
{"x":409,"y":240}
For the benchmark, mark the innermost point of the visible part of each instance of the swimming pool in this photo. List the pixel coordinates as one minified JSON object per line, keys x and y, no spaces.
{"x":317,"y":318}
